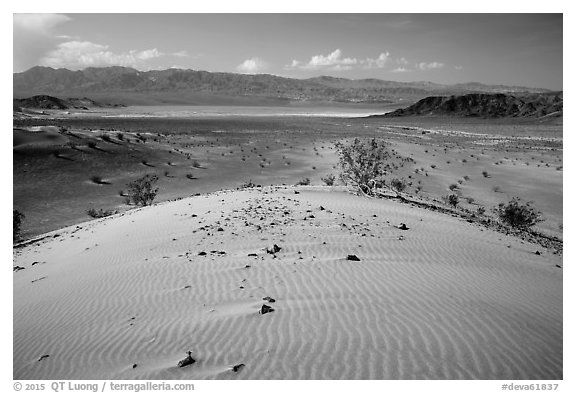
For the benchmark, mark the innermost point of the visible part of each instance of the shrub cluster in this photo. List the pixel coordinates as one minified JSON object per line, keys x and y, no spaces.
{"x":518,"y":215}
{"x":141,"y":191}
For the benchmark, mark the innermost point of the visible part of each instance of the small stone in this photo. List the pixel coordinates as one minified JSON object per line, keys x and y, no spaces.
{"x":352,"y":257}
{"x":134,"y":365}
{"x":266,"y":309}
{"x":187,"y":361}
{"x":322,"y":207}
{"x":202,"y":253}
{"x":537,"y":253}
{"x":403,"y":227}
{"x":275,"y":248}
{"x":252,"y":255}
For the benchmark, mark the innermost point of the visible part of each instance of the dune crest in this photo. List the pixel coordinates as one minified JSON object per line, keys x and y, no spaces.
{"x":442,"y":299}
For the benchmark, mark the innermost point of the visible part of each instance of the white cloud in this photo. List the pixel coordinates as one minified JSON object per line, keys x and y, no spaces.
{"x":336,"y":62}
{"x":401,"y":69}
{"x":181,"y":53}
{"x":34,"y":36}
{"x":82,"y":54}
{"x":252,"y":66}
{"x":430,"y":66}
{"x":39,"y":23}
{"x":458,"y":67}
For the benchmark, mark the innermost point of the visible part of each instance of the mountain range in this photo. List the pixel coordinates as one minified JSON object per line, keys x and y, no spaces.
{"x":178,"y":86}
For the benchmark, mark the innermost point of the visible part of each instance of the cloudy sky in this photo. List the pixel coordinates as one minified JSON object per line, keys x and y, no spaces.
{"x":512,"y":49}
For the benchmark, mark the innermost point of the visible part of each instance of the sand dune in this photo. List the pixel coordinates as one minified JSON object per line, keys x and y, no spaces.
{"x":126,"y":296}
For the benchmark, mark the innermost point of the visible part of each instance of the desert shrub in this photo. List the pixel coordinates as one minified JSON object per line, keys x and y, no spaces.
{"x":453,"y":187}
{"x":17,"y":224}
{"x":481,"y":210}
{"x":303,"y":182}
{"x":100,"y":213}
{"x":363,"y":164}
{"x":141,"y":191}
{"x":196,"y":164}
{"x":120,"y":136}
{"x":248,"y":184}
{"x":452,"y":199}
{"x":398,"y":184}
{"x":517,"y":214}
{"x":98,"y":180}
{"x":92,"y":144}
{"x":329,"y":179}
{"x":106,"y":138}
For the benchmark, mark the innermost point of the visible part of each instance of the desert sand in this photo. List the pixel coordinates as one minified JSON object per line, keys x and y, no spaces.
{"x":126,"y":296}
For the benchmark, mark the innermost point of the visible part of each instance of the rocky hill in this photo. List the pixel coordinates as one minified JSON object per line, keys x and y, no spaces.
{"x":194,"y":87}
{"x":486,"y":106}
{"x":49,"y":102}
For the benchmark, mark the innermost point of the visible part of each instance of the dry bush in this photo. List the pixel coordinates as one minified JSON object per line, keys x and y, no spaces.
{"x":141,"y":191}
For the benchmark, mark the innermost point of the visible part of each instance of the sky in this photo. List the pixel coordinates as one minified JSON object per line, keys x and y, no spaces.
{"x":510,"y":49}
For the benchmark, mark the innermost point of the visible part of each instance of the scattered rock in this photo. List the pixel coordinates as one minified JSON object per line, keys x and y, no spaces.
{"x":352,"y":257}
{"x":18,"y":268}
{"x":403,"y":227}
{"x":269,"y":299}
{"x":134,"y":365}
{"x":274,"y":249}
{"x":237,"y":367}
{"x":252,"y":255}
{"x":266,"y":309}
{"x":220,"y":229}
{"x":187,"y":361}
{"x":559,"y":267}
{"x":296,"y":192}
{"x":322,"y":207}
{"x":202,"y":253}
{"x":537,"y":253}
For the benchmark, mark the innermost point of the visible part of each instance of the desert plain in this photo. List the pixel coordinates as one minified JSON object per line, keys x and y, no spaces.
{"x":354,"y":294}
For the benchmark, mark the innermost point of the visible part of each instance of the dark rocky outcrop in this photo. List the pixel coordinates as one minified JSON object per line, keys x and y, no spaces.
{"x":485,"y":106}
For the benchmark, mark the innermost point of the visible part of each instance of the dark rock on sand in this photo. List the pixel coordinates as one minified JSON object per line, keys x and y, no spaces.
{"x":266,"y":309}
{"x":403,"y":227}
{"x":269,"y":299}
{"x":187,"y":361}
{"x":237,"y":367}
{"x":352,"y":257}
{"x":274,"y":249}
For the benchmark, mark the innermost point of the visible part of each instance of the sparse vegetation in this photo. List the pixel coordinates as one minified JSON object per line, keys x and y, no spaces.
{"x":518,"y":215}
{"x":100,"y":213}
{"x":364,"y":164}
{"x":303,"y":182}
{"x":452,"y":199}
{"x":98,"y":180}
{"x":141,"y":191}
{"x":329,"y":179}
{"x":453,"y":187}
{"x":248,"y":184}
{"x":398,"y":185}
{"x":17,"y":224}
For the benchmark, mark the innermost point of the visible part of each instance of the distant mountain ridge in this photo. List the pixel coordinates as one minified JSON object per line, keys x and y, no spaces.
{"x":190,"y":86}
{"x":486,"y":106}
